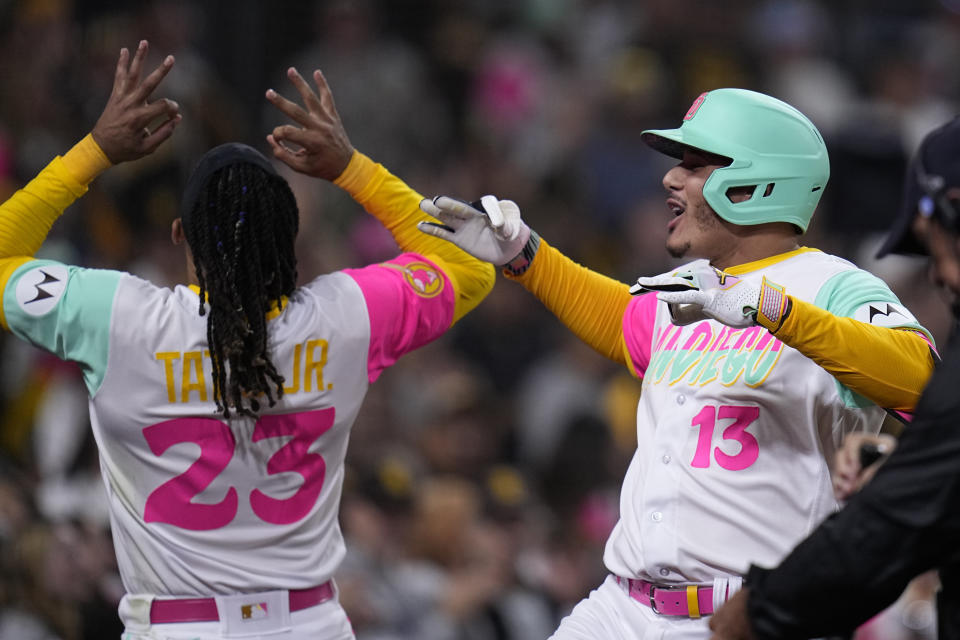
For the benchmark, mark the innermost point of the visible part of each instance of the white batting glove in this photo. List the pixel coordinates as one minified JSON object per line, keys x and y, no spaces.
{"x":494,"y":232}
{"x":702,"y":292}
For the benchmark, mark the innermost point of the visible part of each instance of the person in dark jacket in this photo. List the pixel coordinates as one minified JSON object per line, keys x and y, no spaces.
{"x":906,"y":520}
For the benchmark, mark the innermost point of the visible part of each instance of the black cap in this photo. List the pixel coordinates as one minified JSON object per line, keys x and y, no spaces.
{"x":214,"y":160}
{"x":936,"y":163}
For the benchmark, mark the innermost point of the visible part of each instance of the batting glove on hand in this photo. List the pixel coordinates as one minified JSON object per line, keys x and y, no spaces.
{"x":702,"y":292}
{"x":490,"y":230}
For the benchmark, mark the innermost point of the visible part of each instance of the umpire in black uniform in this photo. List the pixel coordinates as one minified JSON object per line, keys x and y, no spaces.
{"x":907,"y":519}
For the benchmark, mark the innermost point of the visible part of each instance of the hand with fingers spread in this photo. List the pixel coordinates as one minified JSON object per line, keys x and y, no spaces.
{"x":324,"y":150}
{"x":490,"y":230}
{"x":701,"y":291}
{"x":123,"y":130}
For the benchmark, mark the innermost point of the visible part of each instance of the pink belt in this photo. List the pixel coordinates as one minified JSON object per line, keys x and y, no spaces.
{"x":691,"y":600}
{"x":205,"y":609}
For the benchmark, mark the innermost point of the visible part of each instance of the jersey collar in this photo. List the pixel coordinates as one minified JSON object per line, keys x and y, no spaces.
{"x":747,"y":267}
{"x":275,"y":306}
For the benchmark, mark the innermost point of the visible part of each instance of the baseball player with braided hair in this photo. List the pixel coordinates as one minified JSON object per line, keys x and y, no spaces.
{"x":222,"y":409}
{"x":757,"y":357}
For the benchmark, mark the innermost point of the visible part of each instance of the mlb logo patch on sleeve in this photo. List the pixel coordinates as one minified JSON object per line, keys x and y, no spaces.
{"x":40,"y":289}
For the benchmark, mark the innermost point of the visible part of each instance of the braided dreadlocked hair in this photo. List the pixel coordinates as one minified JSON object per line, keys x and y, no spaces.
{"x":241,"y":229}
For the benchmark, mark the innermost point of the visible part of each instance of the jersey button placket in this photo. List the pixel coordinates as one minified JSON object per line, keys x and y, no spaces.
{"x":656,"y":516}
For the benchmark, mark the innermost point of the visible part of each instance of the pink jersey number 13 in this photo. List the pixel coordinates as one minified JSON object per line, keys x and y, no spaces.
{"x":742,"y":417}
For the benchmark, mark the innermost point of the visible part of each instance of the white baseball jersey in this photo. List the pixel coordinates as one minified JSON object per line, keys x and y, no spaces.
{"x":199,"y":505}
{"x":735,"y":429}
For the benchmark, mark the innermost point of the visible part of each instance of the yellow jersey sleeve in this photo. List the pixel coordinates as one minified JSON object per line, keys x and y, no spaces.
{"x":397,"y":207}
{"x":28,"y":215}
{"x":588,"y":303}
{"x":889,"y":366}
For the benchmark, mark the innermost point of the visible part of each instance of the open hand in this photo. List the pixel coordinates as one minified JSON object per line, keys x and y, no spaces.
{"x":490,"y":230}
{"x":700,"y":292}
{"x":124,"y":130}
{"x":322,"y":147}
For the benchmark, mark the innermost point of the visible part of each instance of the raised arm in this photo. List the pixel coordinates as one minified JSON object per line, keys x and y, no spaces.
{"x":588,"y":303}
{"x":317,"y":145}
{"x":120,"y":135}
{"x":884,"y":354}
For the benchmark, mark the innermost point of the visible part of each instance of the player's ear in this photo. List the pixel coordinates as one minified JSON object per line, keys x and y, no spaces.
{"x":177,"y":236}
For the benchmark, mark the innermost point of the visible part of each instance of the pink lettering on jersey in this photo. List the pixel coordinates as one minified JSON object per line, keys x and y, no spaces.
{"x":746,"y":449}
{"x":304,"y":428}
{"x":711,"y":355}
{"x":693,"y":350}
{"x":173,"y":501}
{"x":410,"y":302}
{"x":672,"y":343}
{"x":639,"y":321}
{"x":748,"y":336}
{"x":706,"y":357}
{"x":663,"y":334}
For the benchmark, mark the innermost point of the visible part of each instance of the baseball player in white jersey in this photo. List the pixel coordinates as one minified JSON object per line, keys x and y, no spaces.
{"x":222,"y":409}
{"x":756,"y":359}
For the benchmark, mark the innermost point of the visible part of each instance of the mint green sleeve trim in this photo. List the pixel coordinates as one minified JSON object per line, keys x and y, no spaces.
{"x":846,"y":292}
{"x":64,"y":310}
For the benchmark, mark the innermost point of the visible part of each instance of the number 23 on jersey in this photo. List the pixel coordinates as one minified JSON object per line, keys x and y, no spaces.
{"x":172,"y":503}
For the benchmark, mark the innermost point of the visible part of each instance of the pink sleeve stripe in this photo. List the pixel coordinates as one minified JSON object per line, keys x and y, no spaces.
{"x":638,"y":322}
{"x":410,"y":302}
{"x":905,"y":417}
{"x":926,"y":339}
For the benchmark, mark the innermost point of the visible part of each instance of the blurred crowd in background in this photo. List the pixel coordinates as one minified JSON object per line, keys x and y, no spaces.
{"x":484,"y":470}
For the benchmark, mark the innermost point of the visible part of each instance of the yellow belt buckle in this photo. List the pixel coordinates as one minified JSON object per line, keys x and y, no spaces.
{"x":693,"y":603}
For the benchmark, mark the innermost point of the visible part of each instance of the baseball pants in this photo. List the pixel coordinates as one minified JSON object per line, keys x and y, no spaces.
{"x":325,"y":621}
{"x":610,"y":613}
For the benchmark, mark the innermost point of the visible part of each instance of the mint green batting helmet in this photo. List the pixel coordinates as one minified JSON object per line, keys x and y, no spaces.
{"x":773,"y":147}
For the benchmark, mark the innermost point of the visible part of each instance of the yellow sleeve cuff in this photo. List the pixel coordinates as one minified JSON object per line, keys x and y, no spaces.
{"x":85,"y":161}
{"x":387,"y":198}
{"x":7,"y":267}
{"x":888,"y":366}
{"x":391,"y":201}
{"x":27,"y":216}
{"x":358,"y":178}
